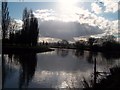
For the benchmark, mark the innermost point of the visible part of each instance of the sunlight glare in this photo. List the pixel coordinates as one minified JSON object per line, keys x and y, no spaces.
{"x":68,"y":3}
{"x":67,"y":9}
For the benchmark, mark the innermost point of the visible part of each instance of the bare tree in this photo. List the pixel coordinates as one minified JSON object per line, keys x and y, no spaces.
{"x":5,"y":20}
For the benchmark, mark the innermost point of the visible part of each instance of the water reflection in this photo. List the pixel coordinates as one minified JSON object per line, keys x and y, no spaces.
{"x":111,"y":56}
{"x":62,"y":52}
{"x":79,"y":53}
{"x":59,"y":68}
{"x":101,"y":57}
{"x":91,"y":56}
{"x":27,"y":63}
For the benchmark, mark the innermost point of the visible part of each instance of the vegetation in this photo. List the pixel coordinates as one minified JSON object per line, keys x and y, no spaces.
{"x":29,"y":33}
{"x":5,"y":20}
{"x":92,"y":44}
{"x":80,"y":45}
{"x":110,"y":81}
{"x":25,"y":39}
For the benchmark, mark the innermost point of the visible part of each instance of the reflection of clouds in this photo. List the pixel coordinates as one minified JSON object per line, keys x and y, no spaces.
{"x":55,"y":71}
{"x":57,"y":75}
{"x":47,"y":53}
{"x":62,"y":52}
{"x":0,"y":72}
{"x":0,"y":60}
{"x":57,"y":63}
{"x":60,"y":79}
{"x":52,"y":61}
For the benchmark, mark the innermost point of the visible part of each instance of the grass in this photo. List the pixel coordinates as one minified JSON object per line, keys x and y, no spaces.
{"x":110,"y":81}
{"x":24,"y":48}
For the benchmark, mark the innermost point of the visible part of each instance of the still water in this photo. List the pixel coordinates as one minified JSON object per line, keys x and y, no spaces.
{"x":61,"y":68}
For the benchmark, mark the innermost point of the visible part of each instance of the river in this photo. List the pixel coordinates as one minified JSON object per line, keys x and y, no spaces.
{"x":62,"y":68}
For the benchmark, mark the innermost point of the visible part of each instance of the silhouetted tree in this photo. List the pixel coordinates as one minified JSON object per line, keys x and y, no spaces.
{"x":25,"y":30}
{"x":80,"y":45}
{"x":30,"y":28}
{"x":12,"y":29}
{"x":33,"y":29}
{"x":91,"y":41}
{"x":5,"y":20}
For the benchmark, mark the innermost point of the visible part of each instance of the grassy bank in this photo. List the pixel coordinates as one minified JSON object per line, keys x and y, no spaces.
{"x":110,"y":81}
{"x":24,"y":48}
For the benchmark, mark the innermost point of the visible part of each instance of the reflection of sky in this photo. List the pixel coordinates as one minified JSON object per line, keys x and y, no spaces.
{"x":56,"y":71}
{"x":61,"y":68}
{"x":0,"y":71}
{"x":12,"y":74}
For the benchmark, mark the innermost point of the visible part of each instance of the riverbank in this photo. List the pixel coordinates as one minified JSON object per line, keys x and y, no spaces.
{"x":111,"y":81}
{"x":24,"y":49}
{"x":101,"y":50}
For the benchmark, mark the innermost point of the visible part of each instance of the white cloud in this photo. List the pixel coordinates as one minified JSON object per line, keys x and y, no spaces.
{"x":18,"y":23}
{"x":45,"y":14}
{"x":79,"y":15}
{"x":48,"y":39}
{"x":96,"y":8}
{"x":107,"y":6}
{"x":110,"y":6}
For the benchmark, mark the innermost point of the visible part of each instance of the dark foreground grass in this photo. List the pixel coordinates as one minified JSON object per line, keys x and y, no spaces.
{"x":24,"y":49}
{"x":112,"y":81}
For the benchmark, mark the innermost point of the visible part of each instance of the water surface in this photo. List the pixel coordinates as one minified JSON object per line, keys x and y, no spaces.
{"x":61,"y":68}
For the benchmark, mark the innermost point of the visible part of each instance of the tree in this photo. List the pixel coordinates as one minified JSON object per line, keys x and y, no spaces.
{"x":12,"y":28}
{"x":5,"y":20}
{"x":80,"y":45}
{"x":33,"y":29}
{"x":91,"y":41}
{"x":30,"y":28}
{"x":25,"y":30}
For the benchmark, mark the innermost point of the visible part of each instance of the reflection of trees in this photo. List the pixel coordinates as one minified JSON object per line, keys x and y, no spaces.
{"x":79,"y":53}
{"x":28,"y":64}
{"x":105,"y":57}
{"x":3,"y":70}
{"x":111,"y":56}
{"x":90,"y":56}
{"x":6,"y":68}
{"x":62,"y":52}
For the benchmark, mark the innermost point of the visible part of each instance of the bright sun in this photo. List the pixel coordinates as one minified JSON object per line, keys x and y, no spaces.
{"x":67,"y":3}
{"x":67,"y":6}
{"x":67,"y":9}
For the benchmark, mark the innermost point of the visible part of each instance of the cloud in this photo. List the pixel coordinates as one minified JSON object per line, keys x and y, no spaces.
{"x":78,"y":22}
{"x":48,"y":39}
{"x":79,"y":15}
{"x":45,"y":14}
{"x":110,"y":6}
{"x":67,"y":30}
{"x":19,"y":23}
{"x":96,"y":8}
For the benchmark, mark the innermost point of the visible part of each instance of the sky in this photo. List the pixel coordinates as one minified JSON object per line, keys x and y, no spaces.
{"x":70,"y":19}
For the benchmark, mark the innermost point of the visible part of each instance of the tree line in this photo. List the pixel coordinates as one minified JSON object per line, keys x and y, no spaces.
{"x":28,"y":35}
{"x":98,"y":44}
